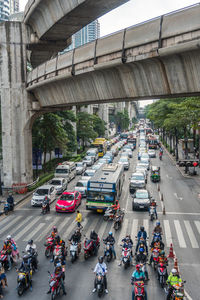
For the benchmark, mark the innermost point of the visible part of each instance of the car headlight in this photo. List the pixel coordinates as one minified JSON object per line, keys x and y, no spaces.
{"x":59,"y":205}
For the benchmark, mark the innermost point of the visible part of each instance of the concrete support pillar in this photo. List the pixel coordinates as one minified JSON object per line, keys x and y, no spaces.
{"x":103,"y":113}
{"x":16,"y":109}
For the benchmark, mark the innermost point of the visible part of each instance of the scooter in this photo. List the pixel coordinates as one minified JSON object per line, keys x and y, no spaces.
{"x":49,"y":246}
{"x":73,"y":251}
{"x":155,"y":255}
{"x":108,"y":251}
{"x":178,"y":292}
{"x":23,"y":282}
{"x":89,"y":249}
{"x":32,"y":260}
{"x":4,"y":259}
{"x":162,"y":274}
{"x":57,"y":254}
{"x":44,"y":209}
{"x":8,"y":208}
{"x":139,"y":290}
{"x":118,"y":219}
{"x":126,"y":257}
{"x":100,"y":284}
{"x":55,"y":286}
{"x":152,"y":213}
{"x":109,"y":214}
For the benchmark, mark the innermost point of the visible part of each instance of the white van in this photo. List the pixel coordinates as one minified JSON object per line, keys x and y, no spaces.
{"x":93,"y":152}
{"x":67,"y":170}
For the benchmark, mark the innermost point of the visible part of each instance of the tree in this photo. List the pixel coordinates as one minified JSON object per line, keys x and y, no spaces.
{"x":99,"y":125}
{"x":85,"y":131}
{"x":122,"y":120}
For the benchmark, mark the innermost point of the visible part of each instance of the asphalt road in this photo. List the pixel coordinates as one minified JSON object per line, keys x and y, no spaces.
{"x":181,"y":225}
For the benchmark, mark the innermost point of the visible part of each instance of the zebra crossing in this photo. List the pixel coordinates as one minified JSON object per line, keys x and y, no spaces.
{"x":182,"y":233}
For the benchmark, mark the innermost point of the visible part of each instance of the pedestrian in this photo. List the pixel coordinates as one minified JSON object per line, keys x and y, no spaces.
{"x":79,"y":219}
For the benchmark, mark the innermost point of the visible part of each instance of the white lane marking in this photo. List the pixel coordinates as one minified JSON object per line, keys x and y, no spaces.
{"x":91,"y":227}
{"x":146,"y":226}
{"x":31,"y":235}
{"x":102,"y":229}
{"x":187,"y":295}
{"x":167,"y":232}
{"x":180,"y":236}
{"x":197,"y":223}
{"x":28,"y":227}
{"x":191,"y":235}
{"x":12,"y":232}
{"x":176,"y":213}
{"x":62,"y":225}
{"x":134,"y":229}
{"x":47,"y":230}
{"x":10,"y":224}
{"x":123,"y":231}
{"x":177,"y":197}
{"x":48,"y":218}
{"x":69,"y":229}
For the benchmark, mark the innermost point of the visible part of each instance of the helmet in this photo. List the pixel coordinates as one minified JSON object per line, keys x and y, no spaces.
{"x":110,"y":233}
{"x":142,"y":228}
{"x":54,"y":228}
{"x":25,"y":258}
{"x":30,"y":242}
{"x":162,"y":253}
{"x":157,"y":223}
{"x":100,"y":259}
{"x":92,"y":231}
{"x":174,"y":271}
{"x":58,"y":265}
{"x":8,"y":237}
{"x":57,"y":238}
{"x":116,"y":201}
{"x":127,"y":238}
{"x":156,"y":239}
{"x":137,"y":267}
{"x":141,"y":250}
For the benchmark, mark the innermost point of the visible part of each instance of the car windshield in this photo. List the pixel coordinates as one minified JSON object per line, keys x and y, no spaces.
{"x":123,"y":159}
{"x":55,"y":182}
{"x":137,"y":177}
{"x":67,"y":197}
{"x":142,"y":195}
{"x":88,"y":157}
{"x":96,"y":167}
{"x":91,"y":154}
{"x":81,"y":183}
{"x":89,"y":173}
{"x":79,"y":164}
{"x":41,"y":192}
{"x":145,"y":155}
{"x":62,"y":171}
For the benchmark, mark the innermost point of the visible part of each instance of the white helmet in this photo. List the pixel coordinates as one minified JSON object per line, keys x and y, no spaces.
{"x":174,"y":271}
{"x":8,"y":237}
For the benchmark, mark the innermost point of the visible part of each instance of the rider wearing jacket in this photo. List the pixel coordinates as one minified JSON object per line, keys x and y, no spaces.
{"x":110,"y":238}
{"x":154,"y":204}
{"x":138,"y":275}
{"x":31,"y":250}
{"x":102,"y":269}
{"x":94,"y":237}
{"x":10,"y":201}
{"x":25,"y":268}
{"x":173,"y":279}
{"x":127,"y":243}
{"x":115,"y":206}
{"x":157,"y":228}
{"x":76,"y":238}
{"x":59,"y":275}
{"x":141,"y":234}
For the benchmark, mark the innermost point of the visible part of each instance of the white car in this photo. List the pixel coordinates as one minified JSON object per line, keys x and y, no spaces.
{"x":145,"y":162}
{"x":89,"y":172}
{"x":41,"y":192}
{"x":88,"y":160}
{"x":143,"y":169}
{"x":129,"y":151}
{"x":152,"y":153}
{"x":80,"y":167}
{"x":60,"y":184}
{"x":125,"y":162}
{"x":81,"y":187}
{"x":145,"y":156}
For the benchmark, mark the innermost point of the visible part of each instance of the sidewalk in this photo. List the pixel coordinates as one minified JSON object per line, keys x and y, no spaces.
{"x":18,"y":198}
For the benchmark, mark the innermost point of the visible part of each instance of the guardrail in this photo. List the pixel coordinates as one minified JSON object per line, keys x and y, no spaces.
{"x":19,"y":188}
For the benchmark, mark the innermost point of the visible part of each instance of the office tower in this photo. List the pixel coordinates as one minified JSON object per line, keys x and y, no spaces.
{"x":14,"y":6}
{"x":4,"y":10}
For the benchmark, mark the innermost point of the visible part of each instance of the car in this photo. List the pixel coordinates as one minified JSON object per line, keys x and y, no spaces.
{"x":96,"y":166}
{"x":145,"y":162}
{"x":129,"y":146}
{"x":110,"y":153}
{"x":81,"y":186}
{"x":80,"y":167}
{"x":141,"y":200}
{"x":141,"y":168}
{"x":60,"y":184}
{"x":41,"y":192}
{"x":108,"y":158}
{"x":152,"y":153}
{"x":137,"y":180}
{"x":89,"y":172}
{"x":68,"y":201}
{"x":125,"y":162}
{"x":103,"y":161}
{"x":88,"y":160}
{"x":129,"y":151}
{"x":145,"y":155}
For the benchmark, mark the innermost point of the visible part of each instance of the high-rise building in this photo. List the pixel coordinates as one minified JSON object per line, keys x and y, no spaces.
{"x":14,"y":6}
{"x":4,"y":10}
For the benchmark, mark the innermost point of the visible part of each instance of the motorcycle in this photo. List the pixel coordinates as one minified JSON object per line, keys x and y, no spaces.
{"x":44,"y":209}
{"x":126,"y":257}
{"x":155,"y":255}
{"x":55,"y":286}
{"x":109,"y":214}
{"x":152,"y":213}
{"x":108,"y":251}
{"x":32,"y":260}
{"x":162,"y":274}
{"x":8,"y":208}
{"x":73,"y":251}
{"x":23,"y":282}
{"x":49,"y":246}
{"x":142,"y":244}
{"x":100,"y":284}
{"x":89,"y":249}
{"x":178,"y":292}
{"x":139,"y":290}
{"x":118,"y":219}
{"x":57,"y":254}
{"x":157,"y":236}
{"x":4,"y":259}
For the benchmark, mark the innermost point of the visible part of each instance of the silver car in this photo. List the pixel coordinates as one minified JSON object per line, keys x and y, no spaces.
{"x":137,"y":180}
{"x":152,"y":153}
{"x":80,"y":167}
{"x":125,"y":162}
{"x":81,"y":187}
{"x":60,"y":184}
{"x":141,"y":200}
{"x":88,"y":160}
{"x":41,"y":192}
{"x":89,"y":172}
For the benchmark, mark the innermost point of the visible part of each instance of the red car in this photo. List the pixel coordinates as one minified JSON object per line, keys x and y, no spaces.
{"x":68,"y":202}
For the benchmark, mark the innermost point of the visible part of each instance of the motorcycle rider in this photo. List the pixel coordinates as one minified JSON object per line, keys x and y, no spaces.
{"x":54,"y":232}
{"x":100,"y":268}
{"x":8,"y":248}
{"x":127,"y":243}
{"x":162,"y":259}
{"x":138,"y":275}
{"x":59,"y":274}
{"x":31,"y":247}
{"x":76,"y":238}
{"x":154,"y":204}
{"x":141,"y":234}
{"x":3,"y":279}
{"x":158,"y":229}
{"x":115,"y":207}
{"x":46,"y":202}
{"x":10,"y":201}
{"x":110,"y":238}
{"x":156,"y":242}
{"x":173,"y":279}
{"x":155,"y":248}
{"x":94,"y":237}
{"x":25,"y":268}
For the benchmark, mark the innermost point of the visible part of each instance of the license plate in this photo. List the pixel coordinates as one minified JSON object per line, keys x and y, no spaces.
{"x":63,"y":208}
{"x":141,"y":206}
{"x":99,"y":210}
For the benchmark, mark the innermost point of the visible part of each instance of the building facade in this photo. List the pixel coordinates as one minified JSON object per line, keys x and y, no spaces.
{"x":4,"y":10}
{"x":14,"y":6}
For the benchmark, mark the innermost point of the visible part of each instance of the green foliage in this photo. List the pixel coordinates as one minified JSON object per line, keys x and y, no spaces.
{"x":122,"y":120}
{"x":99,"y":125}
{"x":85,"y":129}
{"x":42,"y":180}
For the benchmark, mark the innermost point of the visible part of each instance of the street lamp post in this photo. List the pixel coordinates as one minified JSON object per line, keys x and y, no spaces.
{"x":176,"y":134}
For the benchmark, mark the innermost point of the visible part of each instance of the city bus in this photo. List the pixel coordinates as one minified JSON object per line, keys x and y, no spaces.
{"x":105,"y":187}
{"x":101,"y":144}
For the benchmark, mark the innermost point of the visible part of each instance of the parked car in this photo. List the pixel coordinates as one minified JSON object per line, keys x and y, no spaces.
{"x":89,"y":172}
{"x":125,"y":162}
{"x":88,"y":160}
{"x":141,"y":200}
{"x":68,"y":201}
{"x":41,"y":192}
{"x":60,"y":184}
{"x":80,"y":167}
{"x":137,"y":180}
{"x":152,"y":153}
{"x":81,"y":187}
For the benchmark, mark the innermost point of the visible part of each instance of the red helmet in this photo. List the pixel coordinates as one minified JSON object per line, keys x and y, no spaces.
{"x":54,"y":228}
{"x":137,"y":267}
{"x":117,"y":201}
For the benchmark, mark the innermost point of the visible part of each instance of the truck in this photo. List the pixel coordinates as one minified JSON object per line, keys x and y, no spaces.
{"x":66,"y":169}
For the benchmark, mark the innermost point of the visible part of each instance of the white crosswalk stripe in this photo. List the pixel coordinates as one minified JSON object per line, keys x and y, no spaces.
{"x":12,"y":231}
{"x":27,"y":228}
{"x":191,"y":235}
{"x":90,"y":228}
{"x":197,"y":223}
{"x":179,"y":233}
{"x":47,"y":230}
{"x":123,"y":231}
{"x":36,"y":230}
{"x":167,"y":234}
{"x":102,"y":229}
{"x":134,"y":229}
{"x":146,"y":226}
{"x":10,"y":224}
